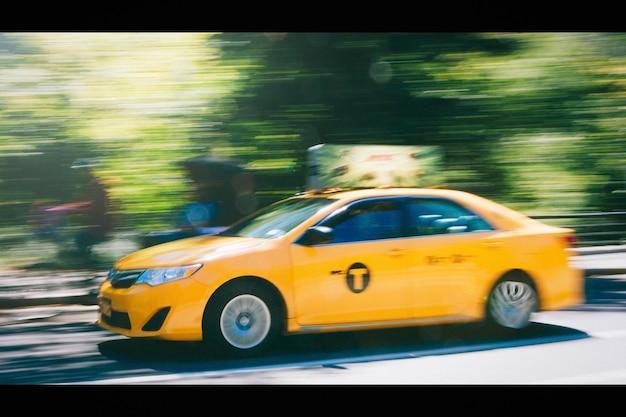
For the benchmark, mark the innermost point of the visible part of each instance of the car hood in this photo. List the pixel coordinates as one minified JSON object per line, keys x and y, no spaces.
{"x":187,"y":251}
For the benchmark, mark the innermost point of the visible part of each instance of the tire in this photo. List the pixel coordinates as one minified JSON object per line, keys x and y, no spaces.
{"x":511,"y":303}
{"x":241,"y":320}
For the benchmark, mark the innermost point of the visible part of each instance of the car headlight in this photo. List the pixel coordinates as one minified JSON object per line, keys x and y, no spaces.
{"x":158,"y":276}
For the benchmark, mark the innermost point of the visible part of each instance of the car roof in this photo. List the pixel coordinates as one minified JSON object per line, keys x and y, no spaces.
{"x":356,"y":193}
{"x":506,"y":217}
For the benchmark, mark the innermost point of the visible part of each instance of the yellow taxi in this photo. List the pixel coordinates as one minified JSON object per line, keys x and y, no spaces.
{"x":344,"y":260}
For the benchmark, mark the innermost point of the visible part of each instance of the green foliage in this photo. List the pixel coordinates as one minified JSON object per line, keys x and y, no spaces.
{"x":530,"y":119}
{"x":475,"y":94}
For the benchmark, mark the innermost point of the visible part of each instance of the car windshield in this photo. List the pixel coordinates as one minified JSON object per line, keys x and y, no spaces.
{"x":277,"y":219}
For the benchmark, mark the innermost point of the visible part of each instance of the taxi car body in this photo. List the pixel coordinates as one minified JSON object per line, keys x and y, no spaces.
{"x":344,"y":260}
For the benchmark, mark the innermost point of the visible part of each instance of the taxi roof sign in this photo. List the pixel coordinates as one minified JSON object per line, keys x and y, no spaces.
{"x":368,"y":166}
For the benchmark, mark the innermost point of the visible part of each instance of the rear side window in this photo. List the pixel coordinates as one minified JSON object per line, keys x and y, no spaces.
{"x":435,"y":216}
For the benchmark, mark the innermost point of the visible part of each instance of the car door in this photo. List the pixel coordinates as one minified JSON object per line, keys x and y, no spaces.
{"x":360,"y":276}
{"x":449,"y":253}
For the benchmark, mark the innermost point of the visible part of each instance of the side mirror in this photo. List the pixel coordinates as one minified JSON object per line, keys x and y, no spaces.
{"x":316,"y":235}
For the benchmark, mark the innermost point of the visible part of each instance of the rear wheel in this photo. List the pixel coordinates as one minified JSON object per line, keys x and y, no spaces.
{"x":511,"y":303}
{"x":241,"y":320}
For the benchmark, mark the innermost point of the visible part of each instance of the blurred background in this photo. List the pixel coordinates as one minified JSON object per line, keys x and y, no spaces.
{"x":535,"y":121}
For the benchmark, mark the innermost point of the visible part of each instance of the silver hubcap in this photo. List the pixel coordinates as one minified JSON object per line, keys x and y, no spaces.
{"x":245,"y":321}
{"x":512,"y":304}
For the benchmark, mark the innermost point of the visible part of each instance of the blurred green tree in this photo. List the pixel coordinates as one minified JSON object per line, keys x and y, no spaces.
{"x":481,"y":96}
{"x":531,"y":119}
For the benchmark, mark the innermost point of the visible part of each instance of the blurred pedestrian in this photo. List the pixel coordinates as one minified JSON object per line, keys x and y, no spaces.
{"x":91,"y":212}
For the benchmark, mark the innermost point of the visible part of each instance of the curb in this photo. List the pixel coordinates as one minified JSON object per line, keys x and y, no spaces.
{"x":86,"y":300}
{"x":598,"y":250}
{"x":90,"y":298}
{"x":87,"y":295}
{"x":612,"y":271}
{"x":26,"y":288}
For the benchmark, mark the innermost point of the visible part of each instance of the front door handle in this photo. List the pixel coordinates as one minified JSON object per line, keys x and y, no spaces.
{"x":396,"y":253}
{"x":494,"y":244}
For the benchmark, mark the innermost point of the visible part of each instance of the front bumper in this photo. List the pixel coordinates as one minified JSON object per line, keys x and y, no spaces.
{"x":171,"y":311}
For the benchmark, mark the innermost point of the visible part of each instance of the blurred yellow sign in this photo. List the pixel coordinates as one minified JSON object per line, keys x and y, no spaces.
{"x":366,"y":166}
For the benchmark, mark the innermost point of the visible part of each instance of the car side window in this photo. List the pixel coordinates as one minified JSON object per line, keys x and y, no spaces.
{"x":434,"y":216}
{"x":369,"y":220}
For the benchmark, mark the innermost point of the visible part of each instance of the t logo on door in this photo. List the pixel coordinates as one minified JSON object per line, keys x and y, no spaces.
{"x":358,"y":277}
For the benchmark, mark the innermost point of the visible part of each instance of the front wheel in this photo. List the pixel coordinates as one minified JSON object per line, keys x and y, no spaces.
{"x":241,"y":321}
{"x":511,"y":303}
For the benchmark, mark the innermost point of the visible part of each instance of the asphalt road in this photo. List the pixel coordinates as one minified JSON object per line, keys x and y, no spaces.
{"x":49,"y":337}
{"x":583,"y":345}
